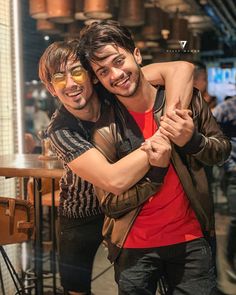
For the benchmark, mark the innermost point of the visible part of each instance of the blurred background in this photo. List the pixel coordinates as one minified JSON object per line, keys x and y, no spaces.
{"x":158,"y":26}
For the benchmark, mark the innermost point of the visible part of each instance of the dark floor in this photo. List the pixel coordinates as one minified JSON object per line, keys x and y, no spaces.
{"x":105,"y":284}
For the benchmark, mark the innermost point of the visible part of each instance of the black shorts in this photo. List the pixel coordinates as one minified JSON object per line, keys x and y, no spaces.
{"x":79,"y":240}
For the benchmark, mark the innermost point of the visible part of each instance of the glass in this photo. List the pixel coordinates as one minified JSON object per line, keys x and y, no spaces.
{"x":78,"y":74}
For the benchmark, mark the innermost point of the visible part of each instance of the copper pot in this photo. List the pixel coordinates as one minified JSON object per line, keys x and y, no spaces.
{"x":38,"y":9}
{"x":61,"y":11}
{"x":98,"y":9}
{"x":131,"y":13}
{"x":79,"y":10}
{"x":153,"y":25}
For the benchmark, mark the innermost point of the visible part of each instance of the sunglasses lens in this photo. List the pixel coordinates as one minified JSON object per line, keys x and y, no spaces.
{"x":79,"y":75}
{"x":59,"y":80}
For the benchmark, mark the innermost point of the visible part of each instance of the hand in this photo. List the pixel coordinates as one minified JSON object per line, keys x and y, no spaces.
{"x":178,"y":126}
{"x":158,"y":149}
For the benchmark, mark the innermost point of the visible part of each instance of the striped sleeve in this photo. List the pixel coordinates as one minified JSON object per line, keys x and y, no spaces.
{"x":69,"y":144}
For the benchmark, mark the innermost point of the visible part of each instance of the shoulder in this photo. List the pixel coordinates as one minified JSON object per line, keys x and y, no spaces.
{"x":61,"y":119}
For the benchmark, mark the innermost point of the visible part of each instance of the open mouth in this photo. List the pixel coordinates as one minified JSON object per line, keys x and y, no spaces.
{"x":74,"y":93}
{"x":121,"y":82}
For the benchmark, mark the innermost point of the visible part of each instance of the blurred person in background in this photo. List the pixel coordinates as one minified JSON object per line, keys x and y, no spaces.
{"x":225,"y":114}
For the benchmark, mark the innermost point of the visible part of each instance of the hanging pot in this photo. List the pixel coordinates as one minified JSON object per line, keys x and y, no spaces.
{"x":131,"y":13}
{"x":61,"y":11}
{"x":98,"y":9}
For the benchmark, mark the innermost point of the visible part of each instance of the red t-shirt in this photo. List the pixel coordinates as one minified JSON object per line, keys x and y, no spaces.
{"x":166,"y":218}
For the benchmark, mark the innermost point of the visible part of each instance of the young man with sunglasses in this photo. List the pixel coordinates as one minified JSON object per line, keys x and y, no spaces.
{"x":80,"y":215}
{"x":167,"y":235}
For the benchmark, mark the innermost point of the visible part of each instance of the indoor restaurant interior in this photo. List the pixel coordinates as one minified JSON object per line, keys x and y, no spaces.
{"x":201,"y":32}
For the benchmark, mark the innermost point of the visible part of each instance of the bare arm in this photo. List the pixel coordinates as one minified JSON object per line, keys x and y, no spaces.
{"x":115,"y":205}
{"x":177,"y":76}
{"x":116,"y":178}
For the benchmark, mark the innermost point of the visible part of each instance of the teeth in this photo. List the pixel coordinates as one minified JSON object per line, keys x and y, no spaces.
{"x":121,"y":82}
{"x":73,"y":94}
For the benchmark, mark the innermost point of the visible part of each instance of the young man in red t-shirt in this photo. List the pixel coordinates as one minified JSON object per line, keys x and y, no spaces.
{"x":166,"y":237}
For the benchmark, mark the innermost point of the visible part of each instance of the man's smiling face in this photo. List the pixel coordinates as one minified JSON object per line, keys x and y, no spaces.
{"x":118,"y":70}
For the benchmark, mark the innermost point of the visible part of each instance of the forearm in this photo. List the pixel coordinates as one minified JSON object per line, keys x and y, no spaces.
{"x":178,"y":80}
{"x":127,"y":171}
{"x":117,"y":177}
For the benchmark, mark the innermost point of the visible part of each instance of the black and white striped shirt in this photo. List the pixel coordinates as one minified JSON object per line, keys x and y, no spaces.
{"x":70,"y":138}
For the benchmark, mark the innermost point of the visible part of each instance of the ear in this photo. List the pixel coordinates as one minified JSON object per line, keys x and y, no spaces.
{"x":137,"y":56}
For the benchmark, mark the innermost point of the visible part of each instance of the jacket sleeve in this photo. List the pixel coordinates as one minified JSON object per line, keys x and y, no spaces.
{"x":117,"y":205}
{"x":208,"y":144}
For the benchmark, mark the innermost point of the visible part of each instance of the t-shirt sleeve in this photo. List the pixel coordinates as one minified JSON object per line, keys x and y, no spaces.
{"x":68,"y":144}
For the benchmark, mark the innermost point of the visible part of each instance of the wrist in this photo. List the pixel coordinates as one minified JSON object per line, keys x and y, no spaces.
{"x":156,"y":174}
{"x":195,"y":144}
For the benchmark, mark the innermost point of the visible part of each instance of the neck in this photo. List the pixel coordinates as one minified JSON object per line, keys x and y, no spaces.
{"x":91,"y":112}
{"x":143,"y":100}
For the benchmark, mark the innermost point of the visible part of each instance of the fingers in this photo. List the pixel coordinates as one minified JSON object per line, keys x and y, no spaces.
{"x":155,"y":144}
{"x":159,"y":136}
{"x":158,"y":151}
{"x":173,"y":123}
{"x":166,"y":133}
{"x":168,"y":128}
{"x":155,"y":141}
{"x":146,"y":146}
{"x":184,"y":113}
{"x":177,"y":114}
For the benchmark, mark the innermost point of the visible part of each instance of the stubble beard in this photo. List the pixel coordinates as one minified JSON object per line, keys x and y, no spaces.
{"x":136,"y":86}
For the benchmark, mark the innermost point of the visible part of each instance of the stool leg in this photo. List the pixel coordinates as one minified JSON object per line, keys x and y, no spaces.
{"x":2,"y":284}
{"x":12,"y":272}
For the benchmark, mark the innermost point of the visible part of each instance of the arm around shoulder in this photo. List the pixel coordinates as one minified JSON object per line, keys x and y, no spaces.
{"x":177,"y":76}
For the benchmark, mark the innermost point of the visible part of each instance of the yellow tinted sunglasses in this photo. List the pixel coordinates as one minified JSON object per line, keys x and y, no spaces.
{"x":78,"y":74}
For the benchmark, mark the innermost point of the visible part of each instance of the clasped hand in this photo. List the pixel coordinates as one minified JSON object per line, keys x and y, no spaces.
{"x":175,"y":126}
{"x":178,"y":126}
{"x":158,"y":149}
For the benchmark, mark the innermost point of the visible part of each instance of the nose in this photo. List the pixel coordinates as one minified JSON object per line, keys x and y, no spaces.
{"x":69,"y":81}
{"x":116,"y":73}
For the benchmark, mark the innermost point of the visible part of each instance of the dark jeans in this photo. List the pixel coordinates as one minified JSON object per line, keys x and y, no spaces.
{"x":79,"y":240}
{"x":187,"y":268}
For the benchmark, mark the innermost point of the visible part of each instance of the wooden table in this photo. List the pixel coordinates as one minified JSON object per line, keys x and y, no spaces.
{"x":28,"y":165}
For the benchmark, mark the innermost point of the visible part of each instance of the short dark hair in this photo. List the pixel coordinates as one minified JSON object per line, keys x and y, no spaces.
{"x":57,"y":54}
{"x":99,"y":34}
